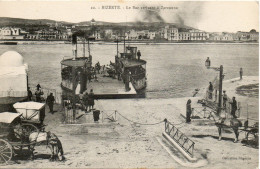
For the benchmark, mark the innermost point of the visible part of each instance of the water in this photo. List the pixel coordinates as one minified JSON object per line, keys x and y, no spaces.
{"x":172,"y":70}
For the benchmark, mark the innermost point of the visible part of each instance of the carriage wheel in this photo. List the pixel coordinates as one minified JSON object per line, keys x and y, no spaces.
{"x":6,"y":151}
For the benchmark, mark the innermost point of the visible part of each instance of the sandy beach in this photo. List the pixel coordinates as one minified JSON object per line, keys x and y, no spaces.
{"x":126,"y":143}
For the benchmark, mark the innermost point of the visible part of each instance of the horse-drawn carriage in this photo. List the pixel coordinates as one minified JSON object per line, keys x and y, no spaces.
{"x":224,"y":120}
{"x":16,"y":128}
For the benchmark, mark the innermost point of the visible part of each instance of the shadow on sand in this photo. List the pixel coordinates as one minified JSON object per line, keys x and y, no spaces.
{"x":215,"y":137}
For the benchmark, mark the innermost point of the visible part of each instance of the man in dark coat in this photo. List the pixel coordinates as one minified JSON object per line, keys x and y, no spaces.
{"x":85,"y":101}
{"x":29,"y":94}
{"x":233,"y":107}
{"x":50,"y":101}
{"x":38,"y":94}
{"x":210,"y":90}
{"x":188,"y":111}
{"x":241,"y":73}
{"x":138,"y":54}
{"x":91,"y":100}
{"x":225,"y":98}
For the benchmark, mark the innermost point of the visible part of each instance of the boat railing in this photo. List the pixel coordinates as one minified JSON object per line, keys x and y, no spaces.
{"x":138,"y":76}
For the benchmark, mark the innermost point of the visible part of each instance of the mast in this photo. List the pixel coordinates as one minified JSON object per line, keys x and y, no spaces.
{"x":88,"y":48}
{"x":74,"y":44}
{"x":84,"y":50}
{"x":124,"y":36}
{"x":117,"y":47}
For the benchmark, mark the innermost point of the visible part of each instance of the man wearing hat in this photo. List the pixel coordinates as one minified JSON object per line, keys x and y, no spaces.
{"x":38,"y":93}
{"x":50,"y":101}
{"x":224,"y":99}
{"x":233,"y":107}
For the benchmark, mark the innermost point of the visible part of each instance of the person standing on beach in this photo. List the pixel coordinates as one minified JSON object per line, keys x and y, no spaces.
{"x":233,"y":107}
{"x":85,"y":100}
{"x":241,"y":73}
{"x":207,"y":62}
{"x":210,"y":90}
{"x":81,"y":100}
{"x":91,"y":99}
{"x":138,"y":54}
{"x":29,"y":94}
{"x":38,"y":93}
{"x":224,"y":99}
{"x":188,"y":111}
{"x":50,"y":101}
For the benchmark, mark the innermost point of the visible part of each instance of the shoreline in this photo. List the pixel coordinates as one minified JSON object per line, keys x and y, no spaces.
{"x":40,"y":42}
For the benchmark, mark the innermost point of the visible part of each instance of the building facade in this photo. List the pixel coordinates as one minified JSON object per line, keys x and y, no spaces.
{"x":197,"y":35}
{"x":10,"y":33}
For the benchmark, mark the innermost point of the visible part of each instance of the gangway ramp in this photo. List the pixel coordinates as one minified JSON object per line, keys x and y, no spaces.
{"x":180,"y":147}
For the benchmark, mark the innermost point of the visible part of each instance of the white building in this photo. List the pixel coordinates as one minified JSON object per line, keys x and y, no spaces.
{"x":198,"y":35}
{"x":170,"y":33}
{"x":151,"y":35}
{"x":10,"y":33}
{"x":184,"y":36}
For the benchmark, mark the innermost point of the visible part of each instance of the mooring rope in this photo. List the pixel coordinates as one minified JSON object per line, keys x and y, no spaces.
{"x":138,"y":122}
{"x":147,"y":123}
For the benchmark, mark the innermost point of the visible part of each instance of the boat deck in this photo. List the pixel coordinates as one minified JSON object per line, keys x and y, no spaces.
{"x":110,"y":88}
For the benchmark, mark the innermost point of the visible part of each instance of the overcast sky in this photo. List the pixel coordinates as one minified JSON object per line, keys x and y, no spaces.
{"x":205,"y":15}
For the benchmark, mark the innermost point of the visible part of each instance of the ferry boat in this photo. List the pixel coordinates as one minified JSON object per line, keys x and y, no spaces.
{"x":74,"y":72}
{"x":130,"y":73}
{"x":129,"y":65}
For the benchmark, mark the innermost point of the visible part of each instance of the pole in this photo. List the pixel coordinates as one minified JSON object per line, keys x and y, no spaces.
{"x":124,"y":45}
{"x":76,"y":51}
{"x":84,"y":48}
{"x":74,"y":92}
{"x":117,"y":48}
{"x":220,"y":89}
{"x":88,"y":48}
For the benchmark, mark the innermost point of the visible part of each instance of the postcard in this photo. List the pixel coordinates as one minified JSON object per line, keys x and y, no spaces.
{"x":129,"y":84}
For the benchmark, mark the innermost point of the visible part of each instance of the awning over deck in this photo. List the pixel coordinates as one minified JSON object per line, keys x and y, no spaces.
{"x":75,"y":63}
{"x":132,"y":62}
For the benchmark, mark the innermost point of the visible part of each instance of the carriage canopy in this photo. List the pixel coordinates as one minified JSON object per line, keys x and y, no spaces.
{"x":8,"y":117}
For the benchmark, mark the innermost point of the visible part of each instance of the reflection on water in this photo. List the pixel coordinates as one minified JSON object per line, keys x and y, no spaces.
{"x":172,"y":70}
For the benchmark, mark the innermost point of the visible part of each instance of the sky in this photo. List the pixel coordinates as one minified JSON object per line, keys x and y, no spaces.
{"x":211,"y":16}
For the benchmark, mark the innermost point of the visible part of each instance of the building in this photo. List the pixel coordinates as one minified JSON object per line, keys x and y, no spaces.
{"x":198,"y":35}
{"x":97,"y":35}
{"x":48,"y":34}
{"x":169,"y":33}
{"x":132,"y":35}
{"x":227,"y":37}
{"x":10,"y":33}
{"x":151,"y":35}
{"x":92,"y":22}
{"x":172,"y":34}
{"x":184,"y":36}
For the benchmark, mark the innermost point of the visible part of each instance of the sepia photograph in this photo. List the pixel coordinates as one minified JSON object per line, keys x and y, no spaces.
{"x":129,"y":84}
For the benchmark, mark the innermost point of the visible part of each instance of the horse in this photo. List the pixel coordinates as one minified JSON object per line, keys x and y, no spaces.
{"x":232,"y":123}
{"x":50,"y":140}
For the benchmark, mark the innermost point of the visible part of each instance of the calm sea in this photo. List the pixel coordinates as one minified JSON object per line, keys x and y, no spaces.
{"x":172,"y":70}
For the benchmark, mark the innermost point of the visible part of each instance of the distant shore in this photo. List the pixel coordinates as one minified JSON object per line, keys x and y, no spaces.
{"x":54,"y":42}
